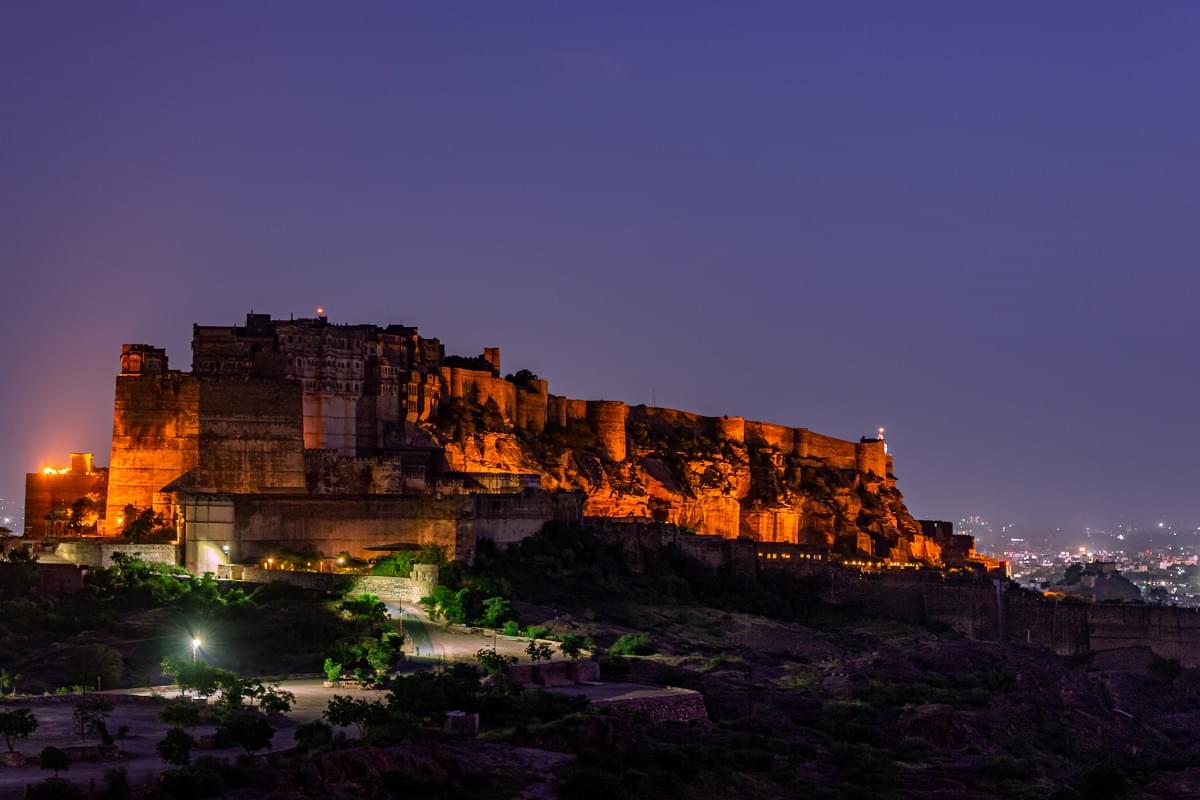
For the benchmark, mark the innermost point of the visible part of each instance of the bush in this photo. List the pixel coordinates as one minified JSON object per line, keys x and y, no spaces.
{"x":313,"y":736}
{"x":632,"y":644}
{"x":116,"y":785}
{"x":180,"y":713}
{"x":193,"y":782}
{"x":176,"y":747}
{"x":55,"y":789}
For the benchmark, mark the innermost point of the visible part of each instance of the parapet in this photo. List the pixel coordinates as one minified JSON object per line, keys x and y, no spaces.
{"x":731,"y":428}
{"x":532,"y":406}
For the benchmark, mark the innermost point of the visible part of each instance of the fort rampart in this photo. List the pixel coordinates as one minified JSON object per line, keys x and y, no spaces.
{"x":992,"y":609}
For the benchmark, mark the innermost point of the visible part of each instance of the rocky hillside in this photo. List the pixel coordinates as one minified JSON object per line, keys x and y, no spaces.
{"x":681,"y":469}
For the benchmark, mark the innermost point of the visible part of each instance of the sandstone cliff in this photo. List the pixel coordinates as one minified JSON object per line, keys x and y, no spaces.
{"x":721,"y":477}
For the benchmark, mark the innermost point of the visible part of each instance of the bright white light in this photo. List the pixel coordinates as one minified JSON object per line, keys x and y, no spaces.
{"x":195,"y":644}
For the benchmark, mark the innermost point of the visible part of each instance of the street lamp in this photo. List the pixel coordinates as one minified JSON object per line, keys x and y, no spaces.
{"x":195,"y":646}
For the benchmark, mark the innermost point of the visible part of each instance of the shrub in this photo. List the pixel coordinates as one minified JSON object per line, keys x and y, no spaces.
{"x":116,"y":785}
{"x":333,"y":670}
{"x":245,"y":729}
{"x":632,"y":644}
{"x":314,"y":735}
{"x":180,"y":713}
{"x":176,"y":747}
{"x":192,"y":783}
{"x":344,"y":711}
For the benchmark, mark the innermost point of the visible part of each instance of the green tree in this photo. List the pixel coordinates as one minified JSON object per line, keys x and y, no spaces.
{"x":632,"y":644}
{"x":365,"y":608}
{"x":245,"y":729}
{"x":379,"y":656}
{"x":446,"y":604}
{"x":96,"y":665}
{"x":176,"y":747}
{"x":16,"y":724}
{"x":180,"y":713}
{"x":333,"y":670}
{"x":496,"y":611}
{"x":573,"y":644}
{"x":494,"y":663}
{"x":273,"y":700}
{"x":90,"y":715}
{"x":8,"y":681}
{"x":55,"y":759}
{"x":344,"y":711}
{"x":538,"y":651}
{"x":195,"y":676}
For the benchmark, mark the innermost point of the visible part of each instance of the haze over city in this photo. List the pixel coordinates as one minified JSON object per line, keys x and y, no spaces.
{"x":972,"y":226}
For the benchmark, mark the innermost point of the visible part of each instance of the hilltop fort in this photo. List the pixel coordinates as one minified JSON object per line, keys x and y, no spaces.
{"x":308,"y":436}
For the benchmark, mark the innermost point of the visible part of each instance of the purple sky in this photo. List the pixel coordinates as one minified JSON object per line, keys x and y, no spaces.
{"x":976,"y":224}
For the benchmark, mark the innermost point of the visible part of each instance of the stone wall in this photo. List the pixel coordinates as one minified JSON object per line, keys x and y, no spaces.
{"x":365,"y":527}
{"x":980,"y":608}
{"x":99,"y":552}
{"x":839,"y":453}
{"x":607,"y":419}
{"x":388,"y":589}
{"x":479,"y":387}
{"x":508,"y":518}
{"x":533,"y":405}
{"x":767,"y":434}
{"x":251,"y":436}
{"x":43,"y":492}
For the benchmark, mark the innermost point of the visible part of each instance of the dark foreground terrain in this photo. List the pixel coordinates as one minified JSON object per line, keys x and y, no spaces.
{"x":803,"y":699}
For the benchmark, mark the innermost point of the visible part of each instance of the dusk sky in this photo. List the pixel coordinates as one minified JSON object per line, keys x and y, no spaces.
{"x":976,"y":224}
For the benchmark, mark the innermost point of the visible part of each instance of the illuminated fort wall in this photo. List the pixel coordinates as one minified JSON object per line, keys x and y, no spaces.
{"x":56,"y":488}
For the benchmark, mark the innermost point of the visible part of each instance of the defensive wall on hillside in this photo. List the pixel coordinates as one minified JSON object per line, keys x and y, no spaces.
{"x":993,"y":609}
{"x":224,"y":529}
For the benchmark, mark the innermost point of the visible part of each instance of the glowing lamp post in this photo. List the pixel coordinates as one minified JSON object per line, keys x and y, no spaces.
{"x":195,"y":646}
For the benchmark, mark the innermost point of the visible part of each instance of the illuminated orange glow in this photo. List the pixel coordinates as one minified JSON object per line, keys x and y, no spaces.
{"x":53,"y":471}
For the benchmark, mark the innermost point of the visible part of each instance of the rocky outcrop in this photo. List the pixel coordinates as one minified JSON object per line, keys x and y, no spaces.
{"x":718,"y":476}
